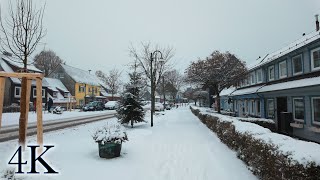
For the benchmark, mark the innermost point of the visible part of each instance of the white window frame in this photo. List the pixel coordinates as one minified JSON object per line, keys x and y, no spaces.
{"x":259,"y":71}
{"x":55,"y":94}
{"x":286,"y":69}
{"x":269,"y":78}
{"x":15,"y":95}
{"x":312,"y":110}
{"x":292,"y":61}
{"x":294,"y":110}
{"x":312,"y":61}
{"x":246,"y":106}
{"x":268,"y":107}
{"x":253,"y":78}
{"x":35,"y":95}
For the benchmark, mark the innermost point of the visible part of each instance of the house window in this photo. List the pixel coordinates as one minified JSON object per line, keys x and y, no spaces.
{"x":258,"y":107}
{"x":81,"y":102}
{"x":246,"y":106}
{"x":81,"y":88}
{"x":270,"y":104}
{"x":297,"y":65}
{"x":259,"y":76}
{"x":315,"y":109}
{"x":298,"y":109}
{"x":252,"y":106}
{"x":271,"y":73}
{"x":96,"y":90}
{"x":235,"y":105}
{"x":66,"y":94}
{"x":61,"y":75}
{"x":17,"y":92}
{"x":253,"y":78}
{"x":315,"y":59}
{"x":54,"y":94}
{"x":283,"y":69}
{"x":35,"y":93}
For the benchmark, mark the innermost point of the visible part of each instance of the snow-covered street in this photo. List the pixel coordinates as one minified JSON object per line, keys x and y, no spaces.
{"x":179,"y":146}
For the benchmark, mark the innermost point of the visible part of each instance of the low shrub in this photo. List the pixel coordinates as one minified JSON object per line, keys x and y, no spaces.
{"x":265,"y":160}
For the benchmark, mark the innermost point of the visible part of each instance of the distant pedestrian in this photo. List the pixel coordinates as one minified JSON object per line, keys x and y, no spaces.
{"x":50,"y":103}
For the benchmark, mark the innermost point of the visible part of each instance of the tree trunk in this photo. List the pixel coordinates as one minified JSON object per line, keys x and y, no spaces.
{"x":218,"y":102}
{"x":211,"y":92}
{"x":131,"y":123}
{"x":22,"y":119}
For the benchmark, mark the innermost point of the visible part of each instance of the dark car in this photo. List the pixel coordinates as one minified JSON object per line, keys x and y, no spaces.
{"x":93,"y":106}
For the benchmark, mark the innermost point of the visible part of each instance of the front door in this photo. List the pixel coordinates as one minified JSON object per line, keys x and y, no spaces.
{"x":281,"y":107}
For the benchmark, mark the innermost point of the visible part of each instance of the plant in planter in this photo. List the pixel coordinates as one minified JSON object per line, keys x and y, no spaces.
{"x":109,"y":139}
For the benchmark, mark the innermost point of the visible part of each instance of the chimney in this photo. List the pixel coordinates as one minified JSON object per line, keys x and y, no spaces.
{"x":317,"y":22}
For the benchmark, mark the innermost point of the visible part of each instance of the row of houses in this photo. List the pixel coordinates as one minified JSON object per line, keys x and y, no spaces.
{"x":64,"y":84}
{"x":284,"y":86}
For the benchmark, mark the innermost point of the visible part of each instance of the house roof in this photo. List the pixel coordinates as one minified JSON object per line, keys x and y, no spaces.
{"x":16,"y":63}
{"x":227,"y":92}
{"x":55,"y":84}
{"x":313,"y":81}
{"x":309,"y":38}
{"x":245,"y":91}
{"x":81,"y":76}
{"x":7,"y":68}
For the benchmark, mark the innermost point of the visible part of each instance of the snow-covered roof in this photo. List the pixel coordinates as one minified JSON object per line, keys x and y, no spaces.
{"x":81,"y":76}
{"x":227,"y":92}
{"x":287,"y":49}
{"x":291,"y":84}
{"x":16,"y":62}
{"x":245,"y":91}
{"x":7,"y":68}
{"x":55,"y":84}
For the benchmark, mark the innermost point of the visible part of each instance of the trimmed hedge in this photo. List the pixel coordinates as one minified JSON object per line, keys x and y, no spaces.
{"x":265,"y":160}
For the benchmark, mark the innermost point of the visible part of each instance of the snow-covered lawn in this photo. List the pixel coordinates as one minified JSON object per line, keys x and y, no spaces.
{"x":9,"y":119}
{"x":178,"y":147}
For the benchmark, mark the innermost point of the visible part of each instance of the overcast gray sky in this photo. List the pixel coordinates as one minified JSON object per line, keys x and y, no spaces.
{"x":96,"y":34}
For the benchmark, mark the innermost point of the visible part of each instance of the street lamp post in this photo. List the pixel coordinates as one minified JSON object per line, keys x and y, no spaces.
{"x":153,"y":57}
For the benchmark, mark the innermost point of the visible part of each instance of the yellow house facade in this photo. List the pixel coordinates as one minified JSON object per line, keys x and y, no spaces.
{"x":85,"y":87}
{"x":83,"y":90}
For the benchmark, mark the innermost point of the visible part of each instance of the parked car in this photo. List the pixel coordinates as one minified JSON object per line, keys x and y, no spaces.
{"x":167,"y":106}
{"x":158,"y":107}
{"x":93,"y":106}
{"x":111,"y":105}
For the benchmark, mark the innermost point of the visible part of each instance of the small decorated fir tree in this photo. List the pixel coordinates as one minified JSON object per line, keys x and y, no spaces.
{"x":130,"y":110}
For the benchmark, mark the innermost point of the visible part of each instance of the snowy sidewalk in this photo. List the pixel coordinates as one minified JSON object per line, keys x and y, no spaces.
{"x":178,"y":147}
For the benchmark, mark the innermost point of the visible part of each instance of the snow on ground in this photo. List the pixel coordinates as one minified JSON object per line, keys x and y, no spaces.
{"x":301,"y":151}
{"x":9,"y":119}
{"x":178,"y":147}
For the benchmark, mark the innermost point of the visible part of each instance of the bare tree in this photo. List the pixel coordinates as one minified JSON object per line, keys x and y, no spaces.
{"x":144,"y":55}
{"x":216,"y":72}
{"x":21,"y":32}
{"x":47,"y":60}
{"x":173,"y":80}
{"x":111,"y":80}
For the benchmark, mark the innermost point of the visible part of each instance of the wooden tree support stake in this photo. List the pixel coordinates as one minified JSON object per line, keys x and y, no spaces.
{"x":39,"y":113}
{"x":2,"y":85}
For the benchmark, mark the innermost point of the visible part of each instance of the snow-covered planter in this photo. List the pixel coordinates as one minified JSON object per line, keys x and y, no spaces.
{"x":109,"y":139}
{"x":268,"y":155}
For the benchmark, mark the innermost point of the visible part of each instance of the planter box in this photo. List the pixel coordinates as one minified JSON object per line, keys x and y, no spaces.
{"x":109,"y":150}
{"x":296,"y":125}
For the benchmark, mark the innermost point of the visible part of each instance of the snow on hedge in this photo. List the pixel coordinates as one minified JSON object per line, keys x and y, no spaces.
{"x":301,"y":151}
